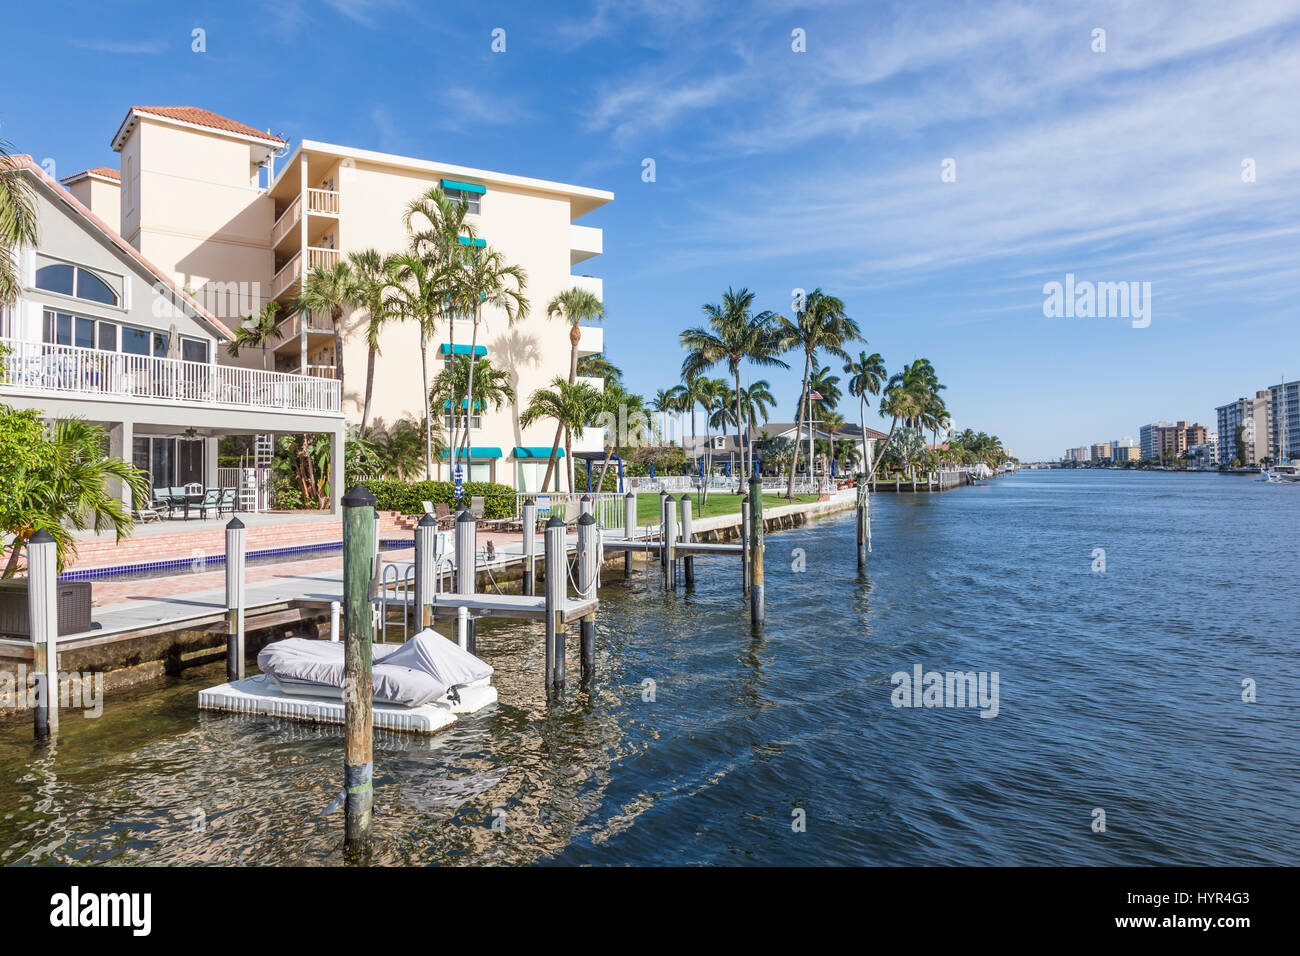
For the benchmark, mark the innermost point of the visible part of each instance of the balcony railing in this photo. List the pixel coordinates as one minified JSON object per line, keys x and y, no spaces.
{"x":318,"y":258}
{"x":286,"y":275}
{"x":324,"y":201}
{"x":288,"y":219}
{"x":291,"y":327}
{"x":113,"y":376}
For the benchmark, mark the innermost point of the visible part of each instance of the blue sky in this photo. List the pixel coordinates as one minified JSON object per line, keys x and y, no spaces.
{"x":777,"y":169}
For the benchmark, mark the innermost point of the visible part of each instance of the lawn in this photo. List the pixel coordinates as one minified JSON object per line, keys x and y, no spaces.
{"x":647,"y":505}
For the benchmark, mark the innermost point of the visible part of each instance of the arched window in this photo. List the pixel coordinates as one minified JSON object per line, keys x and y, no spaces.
{"x":92,"y":287}
{"x":57,"y":278}
{"x":74,"y":281}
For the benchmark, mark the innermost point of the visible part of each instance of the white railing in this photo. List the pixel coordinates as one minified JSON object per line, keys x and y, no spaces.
{"x":674,"y":484}
{"x":290,"y":327}
{"x":35,"y":366}
{"x":318,"y":258}
{"x":287,"y":220}
{"x":606,"y":507}
{"x":286,"y":275}
{"x":252,"y":484}
{"x":323,"y":201}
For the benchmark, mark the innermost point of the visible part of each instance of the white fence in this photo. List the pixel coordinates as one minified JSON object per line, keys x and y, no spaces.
{"x":253,"y":485}
{"x":42,"y":367}
{"x":676,"y":484}
{"x":606,"y":508}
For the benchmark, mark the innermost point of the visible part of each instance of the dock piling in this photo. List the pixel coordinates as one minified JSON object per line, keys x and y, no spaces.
{"x":663,"y":524}
{"x":426,"y":535}
{"x":744,"y":545}
{"x":336,"y":609}
{"x":236,"y":536}
{"x":358,"y":634}
{"x":530,"y":546}
{"x":42,"y":610}
{"x":670,"y":543}
{"x":462,"y":627}
{"x":556,"y":570}
{"x":688,"y":562}
{"x":862,"y":520}
{"x":629,"y":528}
{"x":588,"y":564}
{"x":585,"y":505}
{"x":466,"y":565}
{"x":757,"y":611}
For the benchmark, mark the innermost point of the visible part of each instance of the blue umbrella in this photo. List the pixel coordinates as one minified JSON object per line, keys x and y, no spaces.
{"x":652,"y":469}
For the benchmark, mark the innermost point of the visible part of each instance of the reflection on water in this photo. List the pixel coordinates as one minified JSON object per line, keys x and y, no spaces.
{"x":1119,"y":691}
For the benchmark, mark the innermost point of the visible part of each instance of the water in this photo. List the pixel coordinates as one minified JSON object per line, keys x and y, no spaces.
{"x":1118,"y":690}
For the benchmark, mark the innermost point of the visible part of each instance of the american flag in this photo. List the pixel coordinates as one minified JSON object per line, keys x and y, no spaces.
{"x":814,"y":396}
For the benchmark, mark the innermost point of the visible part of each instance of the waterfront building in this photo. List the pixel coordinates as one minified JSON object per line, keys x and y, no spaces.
{"x":1284,"y":423}
{"x":1245,"y":430}
{"x":1079,"y":454}
{"x":1206,"y":454}
{"x":1166,"y":442}
{"x":228,"y":211}
{"x":1121,"y":453}
{"x":101,"y":333}
{"x":1100,"y":452}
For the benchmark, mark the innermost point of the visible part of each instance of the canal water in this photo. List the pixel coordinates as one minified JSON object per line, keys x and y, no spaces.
{"x":1119,"y":692}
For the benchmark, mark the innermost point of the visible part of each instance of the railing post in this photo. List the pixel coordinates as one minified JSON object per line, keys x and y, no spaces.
{"x":588,"y":571}
{"x":426,"y":535}
{"x":43,"y":618}
{"x":670,"y":544}
{"x":358,"y":687}
{"x":530,"y":545}
{"x":688,"y":562}
{"x":554,"y":552}
{"x":466,"y":564}
{"x":757,"y":611}
{"x":235,"y":539}
{"x":629,"y":528}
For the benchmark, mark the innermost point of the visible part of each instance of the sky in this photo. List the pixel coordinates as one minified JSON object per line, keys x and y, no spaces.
{"x":935,"y":165}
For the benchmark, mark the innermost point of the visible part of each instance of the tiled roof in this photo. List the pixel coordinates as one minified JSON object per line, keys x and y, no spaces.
{"x":202,"y":117}
{"x":97,"y":171}
{"x":23,"y":161}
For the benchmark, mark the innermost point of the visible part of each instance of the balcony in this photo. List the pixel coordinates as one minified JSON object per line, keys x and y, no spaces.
{"x":291,"y":327}
{"x":323,"y":202}
{"x":590,"y":284}
{"x":592,"y":341}
{"x":584,"y":242}
{"x":35,"y":367}
{"x":288,"y":219}
{"x":289,"y":275}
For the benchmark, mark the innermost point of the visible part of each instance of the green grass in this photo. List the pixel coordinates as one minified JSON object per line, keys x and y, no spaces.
{"x":647,"y":505}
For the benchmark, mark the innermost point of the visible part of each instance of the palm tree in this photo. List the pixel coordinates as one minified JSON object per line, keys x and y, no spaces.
{"x":452,"y":385}
{"x":401,"y":446}
{"x":373,"y":278}
{"x":722,"y":413}
{"x":755,"y":400}
{"x":616,"y":400}
{"x":734,"y":335}
{"x":417,"y":294}
{"x":822,"y":325}
{"x":264,"y":328}
{"x":665,"y":400}
{"x":867,"y":376}
{"x":333,"y":290}
{"x":903,"y":400}
{"x":572,"y":407}
{"x":66,"y":490}
{"x":597,"y":366}
{"x":18,"y":222}
{"x":574,"y":305}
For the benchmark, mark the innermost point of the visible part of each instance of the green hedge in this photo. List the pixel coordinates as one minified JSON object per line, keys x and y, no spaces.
{"x":406,"y":497}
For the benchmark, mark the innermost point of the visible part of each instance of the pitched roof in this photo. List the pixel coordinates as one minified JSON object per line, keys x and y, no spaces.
{"x":198,"y":117}
{"x":23,"y":161}
{"x":101,"y":171}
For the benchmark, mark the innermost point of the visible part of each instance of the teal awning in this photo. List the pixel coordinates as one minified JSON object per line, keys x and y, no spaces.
{"x":479,"y":451}
{"x":478,"y":406}
{"x":535,"y":451}
{"x":463,"y":187}
{"x":476,"y":243}
{"x":445,"y":349}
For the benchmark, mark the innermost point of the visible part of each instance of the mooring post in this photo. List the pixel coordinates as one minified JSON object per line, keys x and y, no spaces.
{"x":629,"y":528}
{"x":756,"y":609}
{"x":556,"y":569}
{"x":358,"y":634}
{"x":236,"y":536}
{"x":336,"y":609}
{"x":462,"y":628}
{"x":688,"y":562}
{"x":663,"y":527}
{"x":670,"y":543}
{"x":530,"y":546}
{"x":588,"y":564}
{"x":43,"y":615}
{"x":585,"y":506}
{"x":861,"y":486}
{"x":426,"y":536}
{"x":744,"y":545}
{"x":466,"y":565}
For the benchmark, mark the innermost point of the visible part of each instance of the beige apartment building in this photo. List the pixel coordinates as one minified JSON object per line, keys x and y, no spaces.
{"x":237,"y":219}
{"x":1101,"y":451}
{"x":1245,"y":427}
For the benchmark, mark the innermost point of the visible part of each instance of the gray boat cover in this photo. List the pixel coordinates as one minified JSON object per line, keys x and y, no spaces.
{"x":410,"y":674}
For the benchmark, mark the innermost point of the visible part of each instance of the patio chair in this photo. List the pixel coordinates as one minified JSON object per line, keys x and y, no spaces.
{"x":476,"y":504}
{"x":169,"y":498}
{"x":446,"y":520}
{"x":229,"y":501}
{"x":427,"y":506}
{"x":211,"y":502}
{"x":150,"y":511}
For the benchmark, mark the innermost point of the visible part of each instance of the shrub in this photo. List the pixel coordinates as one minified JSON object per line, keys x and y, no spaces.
{"x":406,"y":497}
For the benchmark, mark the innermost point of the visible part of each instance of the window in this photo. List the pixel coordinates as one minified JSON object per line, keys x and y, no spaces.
{"x":135,"y":341}
{"x":471,"y":200}
{"x":475,"y":421}
{"x":84,"y":333}
{"x":76,"y":282}
{"x":194,"y":350}
{"x":108,"y":336}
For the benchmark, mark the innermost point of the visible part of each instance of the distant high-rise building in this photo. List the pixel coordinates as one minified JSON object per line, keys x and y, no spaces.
{"x":1165,"y":442}
{"x":1284,"y":431}
{"x":1101,"y":451}
{"x":1245,"y":430}
{"x":1077,"y":454}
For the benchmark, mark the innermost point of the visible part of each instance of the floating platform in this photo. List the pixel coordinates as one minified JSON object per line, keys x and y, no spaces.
{"x":260,"y":695}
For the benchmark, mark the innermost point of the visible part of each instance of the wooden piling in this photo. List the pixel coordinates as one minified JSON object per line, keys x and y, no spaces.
{"x":426,"y":535}
{"x":556,"y":570}
{"x":688,"y":562}
{"x":588,"y":564}
{"x":467,"y":565}
{"x":358,"y":635}
{"x":530,"y":546}
{"x":757,"y":611}
{"x":236,"y":536}
{"x":43,"y":618}
{"x":629,"y":528}
{"x":744,"y":545}
{"x":670,"y":543}
{"x":861,"y":523}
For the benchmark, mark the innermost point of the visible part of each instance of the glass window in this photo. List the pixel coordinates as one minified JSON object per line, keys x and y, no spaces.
{"x":56,"y":278}
{"x":160,"y":344}
{"x":92,"y":287}
{"x":161,"y":462}
{"x":108,"y":336}
{"x":471,"y":200}
{"x":85,"y":333}
{"x":194,"y":350}
{"x":135,"y":341}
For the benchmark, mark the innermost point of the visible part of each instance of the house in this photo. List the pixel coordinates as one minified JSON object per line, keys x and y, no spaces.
{"x":102,"y":333}
{"x":723,"y":449}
